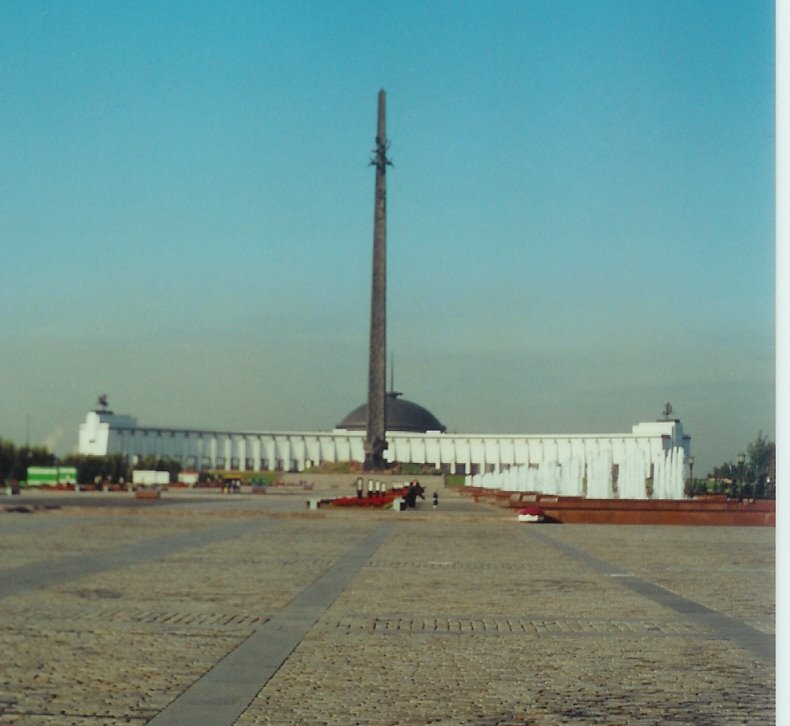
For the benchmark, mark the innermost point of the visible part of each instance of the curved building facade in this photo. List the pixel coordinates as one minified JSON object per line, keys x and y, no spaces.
{"x":649,"y":462}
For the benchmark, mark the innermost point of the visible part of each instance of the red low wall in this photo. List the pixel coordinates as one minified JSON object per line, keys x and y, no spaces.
{"x":714,"y":510}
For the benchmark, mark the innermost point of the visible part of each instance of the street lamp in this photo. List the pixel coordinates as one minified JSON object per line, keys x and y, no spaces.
{"x":691,"y":476}
{"x":741,"y":458}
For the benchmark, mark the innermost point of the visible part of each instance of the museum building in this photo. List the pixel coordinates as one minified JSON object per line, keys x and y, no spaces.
{"x":649,"y":462}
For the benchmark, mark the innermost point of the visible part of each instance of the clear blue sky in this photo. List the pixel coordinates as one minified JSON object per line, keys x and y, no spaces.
{"x":581,"y":213}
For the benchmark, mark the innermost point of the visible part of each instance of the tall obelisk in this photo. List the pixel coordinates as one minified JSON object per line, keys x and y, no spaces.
{"x":375,"y":441}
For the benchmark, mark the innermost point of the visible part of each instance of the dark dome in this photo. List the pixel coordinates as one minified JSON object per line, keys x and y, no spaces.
{"x":401,"y":415}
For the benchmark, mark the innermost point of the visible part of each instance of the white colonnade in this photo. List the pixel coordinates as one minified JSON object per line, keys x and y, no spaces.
{"x":650,"y":461}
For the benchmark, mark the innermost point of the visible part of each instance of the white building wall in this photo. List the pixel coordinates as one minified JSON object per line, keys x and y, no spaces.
{"x":598,"y":466}
{"x":101,"y":431}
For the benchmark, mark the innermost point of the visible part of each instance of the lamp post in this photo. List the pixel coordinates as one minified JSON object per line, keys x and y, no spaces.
{"x":741,"y":458}
{"x":691,"y":476}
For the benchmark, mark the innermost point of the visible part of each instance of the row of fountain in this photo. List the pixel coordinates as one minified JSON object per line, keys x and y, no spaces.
{"x":595,"y":476}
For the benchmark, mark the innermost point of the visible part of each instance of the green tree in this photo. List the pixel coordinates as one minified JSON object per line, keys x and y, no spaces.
{"x":755,"y":477}
{"x":112,"y":467}
{"x":30,"y":456}
{"x":723,"y":477}
{"x":762,"y":466}
{"x":7,"y":458}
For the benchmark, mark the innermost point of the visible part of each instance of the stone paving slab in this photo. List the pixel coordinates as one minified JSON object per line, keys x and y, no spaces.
{"x":100,"y":673}
{"x":223,"y":693}
{"x":460,"y":616}
{"x":542,"y":679}
{"x":742,"y":558}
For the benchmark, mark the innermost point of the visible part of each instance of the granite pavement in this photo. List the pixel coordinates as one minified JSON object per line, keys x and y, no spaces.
{"x":242,"y":609}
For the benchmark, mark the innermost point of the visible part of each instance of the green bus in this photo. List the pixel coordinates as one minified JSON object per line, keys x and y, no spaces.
{"x":51,"y":475}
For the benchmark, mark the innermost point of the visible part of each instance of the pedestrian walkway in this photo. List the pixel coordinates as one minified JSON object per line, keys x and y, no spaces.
{"x":255,"y":610}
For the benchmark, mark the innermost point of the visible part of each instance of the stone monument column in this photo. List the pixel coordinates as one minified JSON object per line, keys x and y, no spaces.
{"x":375,"y":441}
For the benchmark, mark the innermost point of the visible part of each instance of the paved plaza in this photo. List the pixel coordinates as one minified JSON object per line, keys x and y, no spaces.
{"x":213,"y":610}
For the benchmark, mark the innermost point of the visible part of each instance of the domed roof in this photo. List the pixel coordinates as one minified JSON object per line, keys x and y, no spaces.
{"x":400,"y":415}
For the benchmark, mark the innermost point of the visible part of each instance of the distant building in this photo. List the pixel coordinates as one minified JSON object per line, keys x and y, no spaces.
{"x":650,"y":461}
